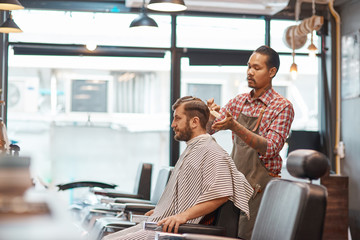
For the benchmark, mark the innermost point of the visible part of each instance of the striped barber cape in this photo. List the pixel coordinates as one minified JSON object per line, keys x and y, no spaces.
{"x":204,"y":172}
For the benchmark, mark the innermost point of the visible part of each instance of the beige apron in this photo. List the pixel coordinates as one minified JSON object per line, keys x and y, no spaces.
{"x":247,"y":161}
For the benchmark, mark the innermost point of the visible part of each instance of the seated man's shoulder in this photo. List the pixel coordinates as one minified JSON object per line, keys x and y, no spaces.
{"x":213,"y":148}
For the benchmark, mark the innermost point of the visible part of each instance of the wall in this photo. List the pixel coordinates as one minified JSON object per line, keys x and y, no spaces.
{"x":350,"y":119}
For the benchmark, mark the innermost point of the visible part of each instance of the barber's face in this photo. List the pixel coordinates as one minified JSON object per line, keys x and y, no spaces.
{"x":180,"y":125}
{"x":258,"y":74}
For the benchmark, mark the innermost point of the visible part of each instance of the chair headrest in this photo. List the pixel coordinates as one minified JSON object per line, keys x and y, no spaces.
{"x":306,"y":163}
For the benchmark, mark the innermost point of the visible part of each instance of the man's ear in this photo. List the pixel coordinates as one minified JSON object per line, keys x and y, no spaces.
{"x":194,"y":122}
{"x":272,"y":72}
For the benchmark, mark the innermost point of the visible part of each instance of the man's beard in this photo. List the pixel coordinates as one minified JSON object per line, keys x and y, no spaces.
{"x":185,"y":134}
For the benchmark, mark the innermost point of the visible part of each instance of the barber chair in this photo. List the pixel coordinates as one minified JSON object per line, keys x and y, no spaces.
{"x":142,"y":189}
{"x":290,"y":210}
{"x":124,"y":212}
{"x":161,"y":181}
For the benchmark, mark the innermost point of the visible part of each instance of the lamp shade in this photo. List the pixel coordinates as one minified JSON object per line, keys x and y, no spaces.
{"x":293,"y":71}
{"x":9,"y":26}
{"x":167,"y":5}
{"x":143,"y":20}
{"x":10,"y":5}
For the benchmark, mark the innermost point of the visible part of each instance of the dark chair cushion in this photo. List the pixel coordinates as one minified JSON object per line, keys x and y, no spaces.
{"x":307,"y":164}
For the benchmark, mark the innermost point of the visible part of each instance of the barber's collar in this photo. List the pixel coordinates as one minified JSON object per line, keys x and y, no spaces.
{"x":265,"y":97}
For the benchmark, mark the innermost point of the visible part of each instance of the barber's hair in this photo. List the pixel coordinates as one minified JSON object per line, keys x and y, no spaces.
{"x":273,"y":59}
{"x":194,"y":107}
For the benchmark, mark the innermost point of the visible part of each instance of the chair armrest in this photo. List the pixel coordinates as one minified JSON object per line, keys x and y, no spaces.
{"x":109,"y":200}
{"x":191,"y":228}
{"x":132,"y":200}
{"x":132,"y":207}
{"x":136,"y":218}
{"x":105,"y":211}
{"x":80,"y":184}
{"x":115,"y":194}
{"x":190,"y":236}
{"x":169,"y":236}
{"x":139,"y":208}
{"x":202,"y":229}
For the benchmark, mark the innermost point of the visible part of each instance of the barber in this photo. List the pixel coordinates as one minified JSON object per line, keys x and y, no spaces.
{"x":260,"y":122}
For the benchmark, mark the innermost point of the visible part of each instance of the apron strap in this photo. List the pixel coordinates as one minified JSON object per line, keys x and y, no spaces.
{"x":262,"y":110}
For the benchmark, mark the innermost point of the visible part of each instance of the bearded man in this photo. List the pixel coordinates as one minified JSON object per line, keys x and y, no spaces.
{"x":203,"y":179}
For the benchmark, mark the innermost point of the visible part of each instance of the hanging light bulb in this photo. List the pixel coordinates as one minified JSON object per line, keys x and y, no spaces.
{"x":293,"y":67}
{"x":312,"y":48}
{"x":293,"y":71}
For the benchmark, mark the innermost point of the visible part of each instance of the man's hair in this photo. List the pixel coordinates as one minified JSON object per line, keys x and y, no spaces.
{"x":273,"y":59}
{"x":194,"y":107}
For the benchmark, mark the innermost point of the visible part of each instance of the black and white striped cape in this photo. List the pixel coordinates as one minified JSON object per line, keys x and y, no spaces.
{"x":203,"y":172}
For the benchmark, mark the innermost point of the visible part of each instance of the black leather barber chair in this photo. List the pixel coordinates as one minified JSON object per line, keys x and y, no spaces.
{"x":142,"y":187}
{"x":289,"y":210}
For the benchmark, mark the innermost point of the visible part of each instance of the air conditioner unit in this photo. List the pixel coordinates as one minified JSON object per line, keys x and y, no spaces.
{"x":23,"y":95}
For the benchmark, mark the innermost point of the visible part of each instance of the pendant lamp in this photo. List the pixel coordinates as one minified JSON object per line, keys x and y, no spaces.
{"x":293,"y":67}
{"x":143,"y":20}
{"x":10,"y":5}
{"x":9,"y":26}
{"x":167,"y":5}
{"x":312,"y":48}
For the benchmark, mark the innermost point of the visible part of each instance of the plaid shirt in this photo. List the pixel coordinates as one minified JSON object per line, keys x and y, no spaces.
{"x":275,"y":123}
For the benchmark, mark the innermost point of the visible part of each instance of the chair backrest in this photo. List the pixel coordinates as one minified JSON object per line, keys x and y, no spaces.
{"x":143,"y":181}
{"x":291,"y":209}
{"x":223,"y":214}
{"x":162,"y":179}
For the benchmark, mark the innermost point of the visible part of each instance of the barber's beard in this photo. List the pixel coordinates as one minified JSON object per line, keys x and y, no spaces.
{"x":184,"y":134}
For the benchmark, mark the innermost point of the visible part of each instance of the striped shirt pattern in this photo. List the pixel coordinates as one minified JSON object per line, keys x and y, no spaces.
{"x":275,"y":124}
{"x":203,"y":172}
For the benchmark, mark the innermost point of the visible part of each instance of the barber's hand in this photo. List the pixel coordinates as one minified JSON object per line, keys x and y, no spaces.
{"x":212,"y":105}
{"x":225,"y":124}
{"x":214,"y":109}
{"x":172,"y":222}
{"x":149,"y":213}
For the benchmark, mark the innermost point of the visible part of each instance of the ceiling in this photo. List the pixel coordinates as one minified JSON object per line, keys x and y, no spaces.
{"x":272,"y":8}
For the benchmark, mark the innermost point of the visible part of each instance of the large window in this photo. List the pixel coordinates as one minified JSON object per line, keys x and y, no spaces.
{"x":221,"y":33}
{"x":89,"y":118}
